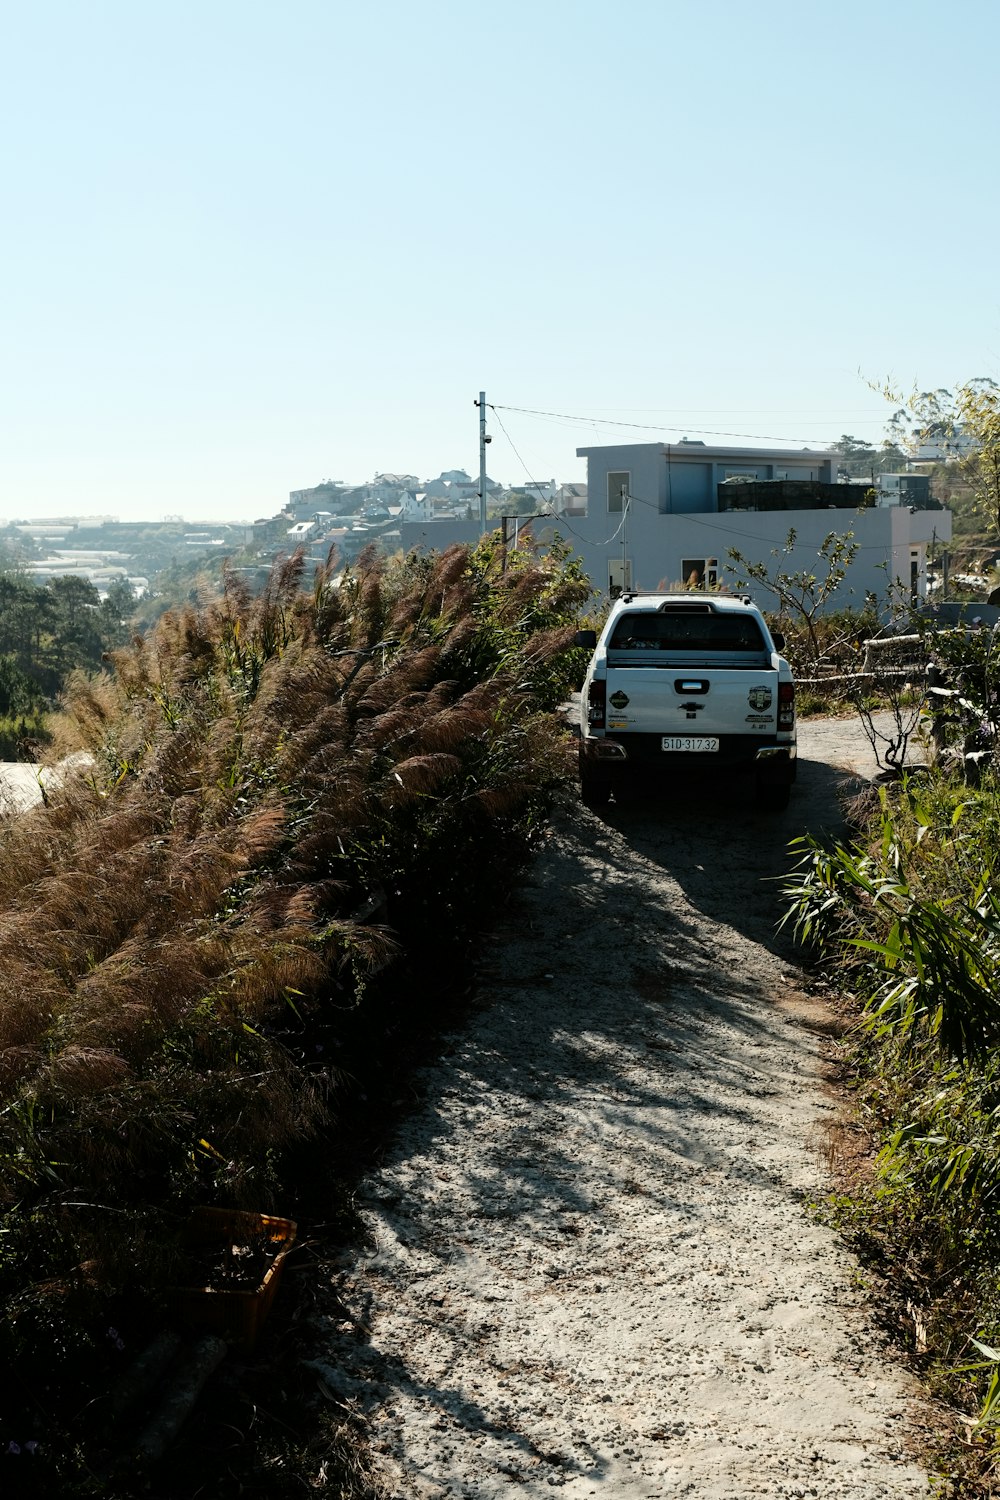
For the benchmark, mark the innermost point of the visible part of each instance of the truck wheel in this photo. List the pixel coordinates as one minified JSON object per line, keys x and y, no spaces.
{"x":772,"y":796}
{"x":595,"y":791}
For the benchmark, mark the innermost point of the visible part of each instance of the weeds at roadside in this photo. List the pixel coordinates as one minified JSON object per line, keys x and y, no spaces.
{"x":907,"y":913}
{"x":212,"y":945}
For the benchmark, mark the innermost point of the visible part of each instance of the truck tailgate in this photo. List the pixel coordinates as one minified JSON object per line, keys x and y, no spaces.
{"x":692,"y":700}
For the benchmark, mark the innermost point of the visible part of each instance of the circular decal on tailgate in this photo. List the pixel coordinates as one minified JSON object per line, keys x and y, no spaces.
{"x":620,"y":699}
{"x":758,"y":698}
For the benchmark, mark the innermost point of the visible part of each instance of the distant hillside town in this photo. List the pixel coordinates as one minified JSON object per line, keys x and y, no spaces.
{"x":649,"y":514}
{"x":103,"y":550}
{"x":658,"y":514}
{"x":350,"y":516}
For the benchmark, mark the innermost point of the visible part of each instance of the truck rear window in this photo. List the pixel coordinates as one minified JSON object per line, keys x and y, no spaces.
{"x":686,"y":632}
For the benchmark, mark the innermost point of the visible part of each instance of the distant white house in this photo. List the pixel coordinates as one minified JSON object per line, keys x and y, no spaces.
{"x":387,"y":488}
{"x":304,"y":503}
{"x":542,"y":490}
{"x":445,"y":486}
{"x":454,"y":490}
{"x":571,"y":500}
{"x":302,"y":531}
{"x":413,"y":505}
{"x":945,"y":450}
{"x":904,"y":489}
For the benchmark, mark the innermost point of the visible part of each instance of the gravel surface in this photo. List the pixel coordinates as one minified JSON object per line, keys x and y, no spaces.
{"x":593,"y":1266}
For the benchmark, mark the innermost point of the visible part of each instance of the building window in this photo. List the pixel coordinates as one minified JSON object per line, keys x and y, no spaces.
{"x":700,"y":572}
{"x":618,"y":482}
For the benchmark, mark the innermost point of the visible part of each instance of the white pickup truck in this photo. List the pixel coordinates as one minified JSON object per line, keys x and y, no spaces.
{"x":682,"y":682}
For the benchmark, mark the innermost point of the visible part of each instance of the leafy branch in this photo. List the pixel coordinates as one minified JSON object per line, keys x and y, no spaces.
{"x":802,"y":593}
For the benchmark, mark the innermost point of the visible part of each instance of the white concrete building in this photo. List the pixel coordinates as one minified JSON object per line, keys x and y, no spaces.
{"x":661,"y":514}
{"x":414,"y":505}
{"x":302,"y":531}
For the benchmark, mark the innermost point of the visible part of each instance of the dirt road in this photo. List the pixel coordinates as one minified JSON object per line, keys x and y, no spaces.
{"x":593,"y":1264}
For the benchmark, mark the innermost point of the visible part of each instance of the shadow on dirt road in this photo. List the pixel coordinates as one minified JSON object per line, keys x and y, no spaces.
{"x":588,"y":1264}
{"x":729,"y":857}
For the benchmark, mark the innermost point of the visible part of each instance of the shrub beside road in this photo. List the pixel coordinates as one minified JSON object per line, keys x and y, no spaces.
{"x":217,"y":937}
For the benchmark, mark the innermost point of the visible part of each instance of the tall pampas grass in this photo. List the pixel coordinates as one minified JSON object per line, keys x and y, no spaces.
{"x":180,"y":923}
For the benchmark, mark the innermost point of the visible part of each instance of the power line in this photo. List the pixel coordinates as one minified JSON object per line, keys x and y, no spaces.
{"x":638,"y":499}
{"x":751,"y":536}
{"x":585,"y":421}
{"x":579,"y":536}
{"x":510,"y":440}
{"x":754,"y":536}
{"x":753,"y":411}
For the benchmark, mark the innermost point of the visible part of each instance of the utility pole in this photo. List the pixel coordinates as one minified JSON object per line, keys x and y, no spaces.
{"x":483,"y":440}
{"x":623,"y":584}
{"x":932,"y":559}
{"x":519,"y":521}
{"x":626,"y":497}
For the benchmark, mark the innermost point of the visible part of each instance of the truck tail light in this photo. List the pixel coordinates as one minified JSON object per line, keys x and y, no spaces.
{"x":786,"y":705}
{"x":597,"y":703}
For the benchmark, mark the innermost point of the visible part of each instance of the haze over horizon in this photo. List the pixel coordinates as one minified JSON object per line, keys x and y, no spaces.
{"x":250,"y":250}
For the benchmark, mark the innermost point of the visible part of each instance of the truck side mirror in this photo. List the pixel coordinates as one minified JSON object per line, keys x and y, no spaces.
{"x":586,"y":638}
{"x":778,"y":639}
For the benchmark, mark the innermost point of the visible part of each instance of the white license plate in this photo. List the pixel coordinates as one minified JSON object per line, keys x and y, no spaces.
{"x":697,"y":742}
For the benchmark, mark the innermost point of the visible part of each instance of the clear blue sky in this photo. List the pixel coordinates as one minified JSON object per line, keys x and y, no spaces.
{"x":250,"y":246}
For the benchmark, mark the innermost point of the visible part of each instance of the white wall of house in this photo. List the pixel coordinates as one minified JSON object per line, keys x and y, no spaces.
{"x":662,"y":540}
{"x":542,"y":490}
{"x":683,"y":477}
{"x":672,"y":528}
{"x":415,"y":507}
{"x":302,"y":531}
{"x":665,"y":550}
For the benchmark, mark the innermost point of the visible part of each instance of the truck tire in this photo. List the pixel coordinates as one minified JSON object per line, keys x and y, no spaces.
{"x":627,"y":791}
{"x":772,"y":796}
{"x":595,"y":791}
